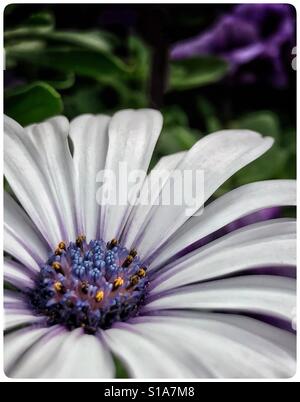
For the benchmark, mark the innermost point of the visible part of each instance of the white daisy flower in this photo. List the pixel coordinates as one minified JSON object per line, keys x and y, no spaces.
{"x":94,"y":282}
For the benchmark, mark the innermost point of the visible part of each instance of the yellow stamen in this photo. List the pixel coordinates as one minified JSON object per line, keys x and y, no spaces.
{"x":58,"y":251}
{"x":112,"y":243}
{"x":117,"y":283}
{"x":133,"y":252}
{"x":128,"y":260}
{"x":141,"y":273}
{"x":56,"y":265}
{"x":134,"y":280}
{"x":80,"y":239}
{"x":62,"y":245}
{"x":59,"y":287}
{"x":99,"y":296}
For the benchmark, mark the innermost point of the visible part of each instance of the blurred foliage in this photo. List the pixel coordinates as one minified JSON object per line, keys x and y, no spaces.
{"x":121,"y":371}
{"x":195,"y":72}
{"x":176,"y":135}
{"x":51,"y":69}
{"x":276,"y":162}
{"x":42,"y":51}
{"x":33,"y":102}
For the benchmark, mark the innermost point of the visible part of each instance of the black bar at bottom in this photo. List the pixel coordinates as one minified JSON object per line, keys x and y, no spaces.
{"x":137,"y":391}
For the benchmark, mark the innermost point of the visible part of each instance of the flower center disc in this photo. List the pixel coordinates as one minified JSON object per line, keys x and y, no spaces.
{"x":89,"y":285}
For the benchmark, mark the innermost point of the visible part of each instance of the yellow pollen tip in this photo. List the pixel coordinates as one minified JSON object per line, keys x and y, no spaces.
{"x":141,"y":273}
{"x":99,"y":296}
{"x":79,"y":240}
{"x":62,"y":245}
{"x":128,"y":260}
{"x":56,"y":265}
{"x":112,"y":243}
{"x":58,"y":286}
{"x":117,"y":283}
{"x":133,"y":252}
{"x":134,"y":280}
{"x":58,"y":251}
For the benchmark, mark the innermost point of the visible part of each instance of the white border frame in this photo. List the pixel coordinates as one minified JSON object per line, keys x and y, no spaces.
{"x":3,"y":377}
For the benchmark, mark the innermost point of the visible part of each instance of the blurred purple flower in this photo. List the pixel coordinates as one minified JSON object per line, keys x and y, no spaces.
{"x":255,"y":39}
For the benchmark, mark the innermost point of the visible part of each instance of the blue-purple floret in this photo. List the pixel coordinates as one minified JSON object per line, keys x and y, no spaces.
{"x":89,"y":285}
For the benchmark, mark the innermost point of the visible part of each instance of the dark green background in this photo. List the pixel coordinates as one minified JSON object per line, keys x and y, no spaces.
{"x":74,"y":59}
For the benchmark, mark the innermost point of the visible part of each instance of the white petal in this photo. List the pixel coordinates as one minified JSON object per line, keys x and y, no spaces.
{"x":89,"y":134}
{"x":16,"y":311}
{"x":13,"y":247}
{"x":17,"y":342}
{"x":219,"y":156}
{"x":21,"y":238}
{"x":51,"y":150}
{"x":169,"y":162}
{"x":86,"y":357}
{"x":143,"y":357}
{"x":273,"y":228}
{"x":14,"y":301}
{"x":25,"y":173}
{"x":152,"y":185}
{"x":17,"y":275}
{"x":66,"y":354}
{"x":36,"y":359}
{"x":262,"y":294}
{"x":279,"y":249}
{"x":218,"y":345}
{"x":11,"y":295}
{"x":231,"y":206}
{"x":132,"y":137}
{"x":15,"y":318}
{"x":283,"y":338}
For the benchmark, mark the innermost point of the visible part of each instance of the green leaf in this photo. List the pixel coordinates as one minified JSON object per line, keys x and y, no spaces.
{"x":141,"y":58}
{"x":24,"y":47}
{"x":196,"y":72}
{"x":288,"y":138}
{"x":271,"y":165}
{"x":176,"y":135}
{"x":174,"y":115}
{"x":84,"y":100}
{"x":209,"y":115}
{"x":274,"y":163}
{"x":176,"y":139}
{"x":121,"y":371}
{"x":61,"y":80}
{"x":41,"y":19}
{"x":41,"y":26}
{"x":7,"y":187}
{"x":264,"y":122}
{"x":100,"y":66}
{"x":39,"y":23}
{"x":88,"y":40}
{"x":33,"y":103}
{"x":288,"y":141}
